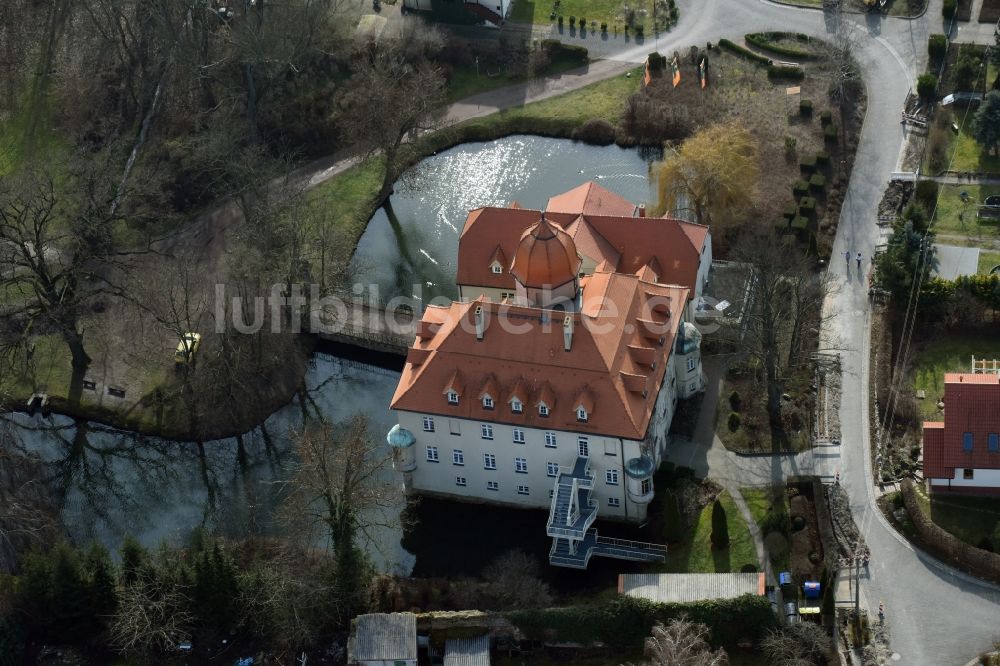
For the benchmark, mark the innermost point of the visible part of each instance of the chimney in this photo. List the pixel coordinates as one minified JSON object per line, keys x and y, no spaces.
{"x":568,"y":333}
{"x":642,"y":210}
{"x":480,"y":323}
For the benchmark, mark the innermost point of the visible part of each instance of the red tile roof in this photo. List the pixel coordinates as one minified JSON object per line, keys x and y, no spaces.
{"x":671,"y":247}
{"x":546,"y":256}
{"x":524,"y":354}
{"x":972,"y":405}
{"x":591,"y":199}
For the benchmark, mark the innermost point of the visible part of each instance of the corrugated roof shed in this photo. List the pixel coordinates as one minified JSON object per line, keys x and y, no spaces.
{"x":467,"y":651}
{"x":679,"y":588}
{"x":385,"y":636}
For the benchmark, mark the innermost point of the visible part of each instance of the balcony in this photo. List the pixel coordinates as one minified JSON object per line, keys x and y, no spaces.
{"x":576,"y":555}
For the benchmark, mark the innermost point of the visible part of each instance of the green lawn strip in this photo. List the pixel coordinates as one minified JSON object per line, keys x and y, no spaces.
{"x":767,"y":511}
{"x":467,"y":80}
{"x":953,"y":216}
{"x":966,"y":154}
{"x":988,"y":260}
{"x":948,"y":354}
{"x":606,"y":11}
{"x":971,"y":519}
{"x":696,"y":554}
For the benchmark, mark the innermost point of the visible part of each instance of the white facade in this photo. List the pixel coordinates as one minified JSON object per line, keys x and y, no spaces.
{"x":980,"y":478}
{"x":503,"y":470}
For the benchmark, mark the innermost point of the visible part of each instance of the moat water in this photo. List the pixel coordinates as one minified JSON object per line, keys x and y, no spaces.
{"x":109,"y":483}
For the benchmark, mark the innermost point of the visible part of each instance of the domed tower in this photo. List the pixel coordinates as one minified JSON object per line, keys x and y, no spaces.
{"x":404,"y":457}
{"x":640,"y":479}
{"x":546,"y":267}
{"x":687,"y":361}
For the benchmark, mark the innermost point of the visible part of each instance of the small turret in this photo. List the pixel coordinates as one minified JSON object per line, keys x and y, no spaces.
{"x":640,"y":479}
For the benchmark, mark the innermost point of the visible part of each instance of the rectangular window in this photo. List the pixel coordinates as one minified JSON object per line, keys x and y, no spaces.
{"x":993,"y":442}
{"x":460,"y":481}
{"x":692,"y":386}
{"x":647,"y":485}
{"x":518,"y":436}
{"x":497,"y":269}
{"x":487,"y":430}
{"x":968,"y":473}
{"x":551,"y":493}
{"x":581,"y":414}
{"x":487,"y":402}
{"x":452,"y":398}
{"x":552,"y":468}
{"x":609,"y":449}
{"x":611,"y":477}
{"x":691,"y":364}
{"x":428,"y":424}
{"x":550,"y":440}
{"x":614,"y":502}
{"x":432,"y":454}
{"x":583,"y":445}
{"x":521,"y":465}
{"x":489,"y":461}
{"x":522,"y":490}
{"x":454,"y":427}
{"x":967,"y":442}
{"x":516,"y":406}
{"x":492,"y":485}
{"x":457,"y":457}
{"x":543,"y":410}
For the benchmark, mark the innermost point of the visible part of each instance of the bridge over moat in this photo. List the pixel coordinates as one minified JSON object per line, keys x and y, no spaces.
{"x":370,"y":323}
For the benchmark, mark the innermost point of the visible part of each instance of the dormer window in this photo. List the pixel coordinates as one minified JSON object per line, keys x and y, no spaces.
{"x":543,"y":409}
{"x":581,"y":414}
{"x":496,"y":268}
{"x":516,"y":406}
{"x":452,"y":398}
{"x":487,"y":402}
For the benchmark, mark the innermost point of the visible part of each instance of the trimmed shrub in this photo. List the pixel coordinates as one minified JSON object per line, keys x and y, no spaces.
{"x":806,"y":108}
{"x":595,"y":131}
{"x":817,"y":182}
{"x":800,"y":188}
{"x":556,"y":50}
{"x":785,"y":72}
{"x":808,"y":164}
{"x":830,"y":134}
{"x":948,"y":8}
{"x":823,"y":158}
{"x":560,"y":20}
{"x":937,"y":47}
{"x":927,"y":87}
{"x":744,"y":53}
{"x":657,"y":62}
{"x":766,"y":41}
{"x":807,"y":207}
{"x":572,"y":21}
{"x":733,"y":422}
{"x":639,"y":31}
{"x":791,"y":210}
{"x":720,"y":527}
{"x":800,"y":223}
{"x":583,"y":23}
{"x":735,"y":401}
{"x":604,"y":28}
{"x":826,"y":118}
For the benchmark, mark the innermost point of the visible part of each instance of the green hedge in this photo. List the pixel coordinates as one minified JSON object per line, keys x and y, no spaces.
{"x":817,"y":182}
{"x":786,"y":72}
{"x":807,"y":164}
{"x":745,"y":53}
{"x":830,"y":134}
{"x":559,"y":51}
{"x":823,"y":158}
{"x":625,"y":622}
{"x":800,"y":188}
{"x":825,"y":118}
{"x":765,"y":40}
{"x":948,"y":8}
{"x":806,"y":108}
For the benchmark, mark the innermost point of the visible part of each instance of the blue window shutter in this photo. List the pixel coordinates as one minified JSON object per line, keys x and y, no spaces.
{"x":967,"y":442}
{"x":993,"y":441}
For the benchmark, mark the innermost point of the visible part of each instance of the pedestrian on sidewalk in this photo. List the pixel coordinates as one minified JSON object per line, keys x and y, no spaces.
{"x":859,"y":261}
{"x":847,"y":257}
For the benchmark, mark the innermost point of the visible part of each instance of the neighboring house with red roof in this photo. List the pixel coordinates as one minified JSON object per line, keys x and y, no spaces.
{"x":962,"y":453}
{"x":559,"y":391}
{"x":610,"y":233}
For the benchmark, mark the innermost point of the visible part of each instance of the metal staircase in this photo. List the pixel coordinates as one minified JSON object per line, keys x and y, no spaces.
{"x":570,"y":518}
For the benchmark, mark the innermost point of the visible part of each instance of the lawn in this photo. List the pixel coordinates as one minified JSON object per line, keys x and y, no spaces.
{"x":696,"y":554}
{"x":769,"y":507}
{"x":948,"y":354}
{"x":967,"y":155}
{"x":987,"y":261}
{"x":974,"y":520}
{"x":957,"y":218}
{"x":467,"y":80}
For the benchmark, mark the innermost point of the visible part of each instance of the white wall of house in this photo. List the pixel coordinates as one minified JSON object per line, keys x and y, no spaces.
{"x":502,"y":7}
{"x":470,"y":293}
{"x":980,"y":478}
{"x":451,"y":435}
{"x":394,"y":662}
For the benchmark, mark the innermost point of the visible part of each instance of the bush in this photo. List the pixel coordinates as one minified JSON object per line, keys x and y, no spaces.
{"x":823,"y":158}
{"x":790,"y":144}
{"x":560,"y":20}
{"x":596,"y":131}
{"x":766,"y":41}
{"x":948,"y":8}
{"x":937,"y":47}
{"x":830,"y":134}
{"x":572,"y":21}
{"x":604,"y":28}
{"x":817,"y":182}
{"x":720,"y":527}
{"x":583,"y":23}
{"x":638,"y":31}
{"x":806,"y":108}
{"x":733,"y":422}
{"x":825,"y":118}
{"x":786,"y":72}
{"x":807,"y":207}
{"x":926,"y":194}
{"x":927,"y":87}
{"x":735,"y":401}
{"x":808,"y":164}
{"x":657,"y":62}
{"x":800,"y":189}
{"x":556,"y":50}
{"x":745,"y":53}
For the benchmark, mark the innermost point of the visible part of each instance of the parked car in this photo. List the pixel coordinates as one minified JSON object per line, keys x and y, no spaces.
{"x":186,"y":348}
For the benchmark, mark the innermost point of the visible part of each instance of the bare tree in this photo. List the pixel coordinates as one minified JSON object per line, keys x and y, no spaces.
{"x":514,"y":581}
{"x":804,"y":644}
{"x":682,"y":643}
{"x":27,"y":515}
{"x":152,"y":615}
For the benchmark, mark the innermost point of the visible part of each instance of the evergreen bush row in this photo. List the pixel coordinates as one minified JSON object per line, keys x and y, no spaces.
{"x":745,"y":53}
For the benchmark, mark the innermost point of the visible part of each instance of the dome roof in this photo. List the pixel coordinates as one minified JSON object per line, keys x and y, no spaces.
{"x":546,"y":256}
{"x":639,"y":468}
{"x":400,"y":438}
{"x":688,"y":338}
